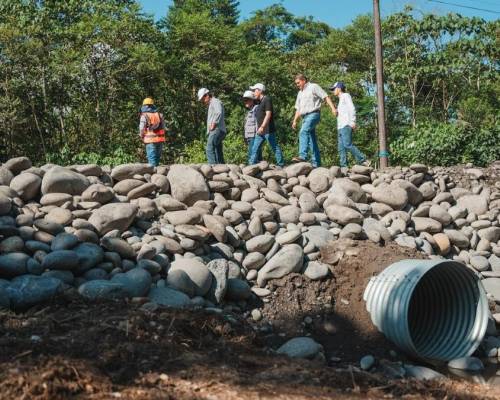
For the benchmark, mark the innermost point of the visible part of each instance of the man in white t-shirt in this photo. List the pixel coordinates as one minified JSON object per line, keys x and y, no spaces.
{"x":346,"y":123}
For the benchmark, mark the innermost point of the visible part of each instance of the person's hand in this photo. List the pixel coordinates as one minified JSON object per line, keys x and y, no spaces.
{"x":294,"y":125}
{"x":260,"y":131}
{"x":353,"y":126}
{"x":212,"y":126}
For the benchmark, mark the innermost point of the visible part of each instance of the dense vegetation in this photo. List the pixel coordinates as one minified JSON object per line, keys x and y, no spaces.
{"x":73,"y":74}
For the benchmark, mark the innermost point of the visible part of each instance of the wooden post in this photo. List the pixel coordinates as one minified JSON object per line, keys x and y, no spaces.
{"x":379,"y":63}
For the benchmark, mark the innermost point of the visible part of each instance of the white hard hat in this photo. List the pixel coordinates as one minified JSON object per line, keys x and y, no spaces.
{"x":248,"y":95}
{"x":259,"y":86}
{"x":202,"y":92}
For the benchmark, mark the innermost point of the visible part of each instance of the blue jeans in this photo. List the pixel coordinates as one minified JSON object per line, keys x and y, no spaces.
{"x":307,"y":138}
{"x":345,"y":144}
{"x":214,"y":146}
{"x":250,"y":142}
{"x":153,"y":152}
{"x":257,"y":145}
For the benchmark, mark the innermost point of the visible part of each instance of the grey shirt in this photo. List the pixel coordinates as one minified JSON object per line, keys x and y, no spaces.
{"x":310,"y":98}
{"x":216,"y":115}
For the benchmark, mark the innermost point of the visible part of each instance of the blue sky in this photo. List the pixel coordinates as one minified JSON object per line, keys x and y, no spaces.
{"x":339,"y":13}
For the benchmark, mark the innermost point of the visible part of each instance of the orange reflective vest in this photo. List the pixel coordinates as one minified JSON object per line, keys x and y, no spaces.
{"x":153,"y":132}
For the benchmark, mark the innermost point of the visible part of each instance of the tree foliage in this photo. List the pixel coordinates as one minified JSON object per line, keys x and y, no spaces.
{"x":73,"y":75}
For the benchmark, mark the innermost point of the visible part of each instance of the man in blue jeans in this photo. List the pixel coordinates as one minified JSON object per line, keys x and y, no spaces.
{"x":266,"y":129}
{"x":307,"y":106}
{"x":346,"y":123}
{"x":216,"y":127}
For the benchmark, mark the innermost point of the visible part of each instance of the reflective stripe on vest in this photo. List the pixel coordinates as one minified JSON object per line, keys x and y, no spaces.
{"x":153,"y":135}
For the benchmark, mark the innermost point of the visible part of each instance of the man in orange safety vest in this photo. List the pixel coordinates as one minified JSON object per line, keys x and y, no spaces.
{"x":152,"y":130}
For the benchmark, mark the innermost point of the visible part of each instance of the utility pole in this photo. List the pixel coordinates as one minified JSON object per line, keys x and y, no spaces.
{"x":382,"y":138}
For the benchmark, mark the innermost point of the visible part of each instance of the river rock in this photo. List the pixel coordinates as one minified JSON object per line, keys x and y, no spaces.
{"x":466,"y":363}
{"x":197,"y":272}
{"x":473,"y":203}
{"x":289,"y":259}
{"x":219,"y":269}
{"x":13,"y":264}
{"x":187,"y":185}
{"x":113,"y":216}
{"x":128,"y":171}
{"x":27,"y":185}
{"x":169,"y":297}
{"x":300,"y":347}
{"x":5,"y":205}
{"x":5,"y":176}
{"x":343,"y":215}
{"x":237,"y":290}
{"x":316,"y":270}
{"x":99,"y":193}
{"x":395,"y":197}
{"x":62,"y":180}
{"x":100,"y":289}
{"x":61,"y":259}
{"x":27,"y":290}
{"x":136,"y":282}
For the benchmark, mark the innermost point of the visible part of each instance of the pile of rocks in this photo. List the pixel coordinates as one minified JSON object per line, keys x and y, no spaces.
{"x":208,"y":235}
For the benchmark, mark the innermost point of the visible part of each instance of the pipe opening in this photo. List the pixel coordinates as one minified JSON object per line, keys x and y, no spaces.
{"x":443,"y":312}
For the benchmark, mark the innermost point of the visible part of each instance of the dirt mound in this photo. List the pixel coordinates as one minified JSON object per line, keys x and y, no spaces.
{"x":74,"y":349}
{"x":333,"y":311}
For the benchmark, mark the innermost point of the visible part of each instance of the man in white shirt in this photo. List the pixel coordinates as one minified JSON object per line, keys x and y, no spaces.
{"x":346,"y":123}
{"x":307,"y":106}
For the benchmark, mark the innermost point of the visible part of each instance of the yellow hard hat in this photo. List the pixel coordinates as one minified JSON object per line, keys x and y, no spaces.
{"x":148,"y":101}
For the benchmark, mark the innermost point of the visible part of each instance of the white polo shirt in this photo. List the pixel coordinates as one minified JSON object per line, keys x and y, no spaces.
{"x":346,"y":111}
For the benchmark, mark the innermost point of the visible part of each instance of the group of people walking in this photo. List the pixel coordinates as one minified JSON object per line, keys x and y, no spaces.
{"x":259,"y":125}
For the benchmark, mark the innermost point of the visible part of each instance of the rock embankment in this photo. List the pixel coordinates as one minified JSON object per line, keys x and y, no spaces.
{"x":205,"y":235}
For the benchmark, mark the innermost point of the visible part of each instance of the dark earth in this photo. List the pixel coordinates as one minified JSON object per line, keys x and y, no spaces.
{"x":116,"y":350}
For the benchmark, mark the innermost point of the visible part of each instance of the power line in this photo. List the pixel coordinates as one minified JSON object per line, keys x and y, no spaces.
{"x":485,"y":2}
{"x":461,"y":5}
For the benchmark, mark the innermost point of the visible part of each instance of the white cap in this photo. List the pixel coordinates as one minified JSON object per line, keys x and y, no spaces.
{"x":248,"y":95}
{"x":259,"y":86}
{"x":202,"y":92}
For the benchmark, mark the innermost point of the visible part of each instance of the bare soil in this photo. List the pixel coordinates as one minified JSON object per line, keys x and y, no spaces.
{"x":73,"y":349}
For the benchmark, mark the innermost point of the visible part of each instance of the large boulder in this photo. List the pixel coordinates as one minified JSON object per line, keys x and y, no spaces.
{"x":350,"y":188}
{"x":168,"y":297}
{"x":113,"y":216}
{"x":28,"y":290}
{"x":289,"y":259}
{"x":187,"y":184}
{"x":392,"y":195}
{"x":5,"y":176}
{"x":473,"y":203}
{"x":137,"y":281}
{"x":127,"y":171}
{"x":197,"y":272}
{"x":27,"y":185}
{"x":18,"y":164}
{"x":63,"y":180}
{"x":343,"y":215}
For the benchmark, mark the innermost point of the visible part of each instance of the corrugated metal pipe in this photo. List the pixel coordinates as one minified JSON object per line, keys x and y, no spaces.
{"x":431,"y":309}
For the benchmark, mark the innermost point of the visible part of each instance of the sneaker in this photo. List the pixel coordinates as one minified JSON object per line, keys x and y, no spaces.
{"x":297,"y":159}
{"x":366,"y":163}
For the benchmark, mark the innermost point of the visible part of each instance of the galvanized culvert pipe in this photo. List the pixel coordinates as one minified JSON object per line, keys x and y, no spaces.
{"x":431,"y":309}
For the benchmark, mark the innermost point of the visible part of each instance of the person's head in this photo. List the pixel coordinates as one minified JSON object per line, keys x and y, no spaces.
{"x":258,"y":90}
{"x":338,"y":88}
{"x":300,"y":81}
{"x":248,"y":98}
{"x":204,"y":95}
{"x":148,"y":101}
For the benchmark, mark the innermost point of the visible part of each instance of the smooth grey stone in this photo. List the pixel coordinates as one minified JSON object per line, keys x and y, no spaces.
{"x":316,"y":270}
{"x":467,"y":364}
{"x":34,"y":267}
{"x":137,"y":282}
{"x":64,"y":241}
{"x":238,"y":289}
{"x":367,"y":362}
{"x":169,"y":297}
{"x":61,"y":259}
{"x":288,"y":259}
{"x":102,"y":289}
{"x":422,"y":373}
{"x":89,"y":255}
{"x":64,"y":276}
{"x":300,"y":347}
{"x":13,"y":264}
{"x":28,"y":290}
{"x":94,"y":274}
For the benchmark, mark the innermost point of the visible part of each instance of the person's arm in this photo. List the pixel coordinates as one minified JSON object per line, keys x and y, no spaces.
{"x":351,"y":112}
{"x":295,"y":119}
{"x":142,"y":125}
{"x":265,"y":123}
{"x":216,"y":114}
{"x":331,"y":105}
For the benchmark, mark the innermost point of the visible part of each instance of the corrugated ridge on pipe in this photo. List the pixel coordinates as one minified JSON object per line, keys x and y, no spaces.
{"x":432,"y":309}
